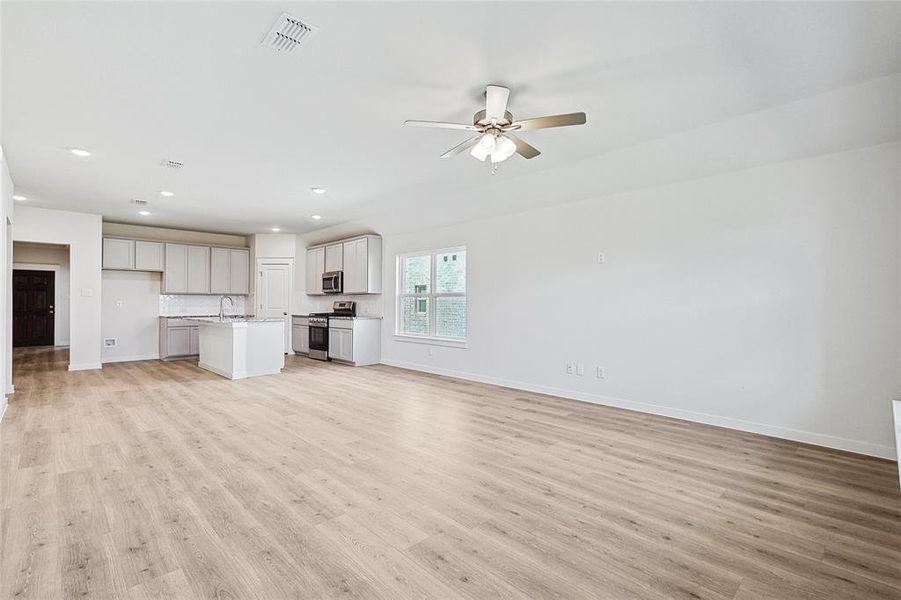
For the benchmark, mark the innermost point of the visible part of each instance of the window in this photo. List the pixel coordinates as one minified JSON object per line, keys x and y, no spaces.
{"x":431,"y":298}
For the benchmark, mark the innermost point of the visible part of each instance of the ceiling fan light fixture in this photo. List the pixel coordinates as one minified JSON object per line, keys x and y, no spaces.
{"x":488,"y":142}
{"x":504,"y":148}
{"x":479,"y":152}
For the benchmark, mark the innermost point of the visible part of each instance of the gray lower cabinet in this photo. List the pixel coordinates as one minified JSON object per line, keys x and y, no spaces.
{"x":355,"y":340}
{"x":300,"y":335}
{"x":341,"y":344}
{"x":178,"y":338}
{"x":300,"y":340}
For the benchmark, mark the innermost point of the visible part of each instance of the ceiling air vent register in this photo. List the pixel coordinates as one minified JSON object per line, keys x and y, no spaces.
{"x":173,"y":164}
{"x":287,"y":33}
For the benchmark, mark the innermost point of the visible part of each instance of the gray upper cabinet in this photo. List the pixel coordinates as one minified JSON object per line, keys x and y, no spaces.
{"x":360,"y":258}
{"x":118,"y":254}
{"x":175,"y":276}
{"x":220,"y":270}
{"x":229,"y":271}
{"x":334,"y":257}
{"x":198,"y":269}
{"x":149,"y":256}
{"x":239,"y":275}
{"x":186,"y":268}
{"x":133,"y":255}
{"x":315,"y":267}
{"x":355,"y":267}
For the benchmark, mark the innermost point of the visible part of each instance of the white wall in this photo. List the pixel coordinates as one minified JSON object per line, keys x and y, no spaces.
{"x":6,"y":244}
{"x":165,"y":234}
{"x":82,"y":233}
{"x":130,"y":314}
{"x":765,"y":299}
{"x":39,"y":256}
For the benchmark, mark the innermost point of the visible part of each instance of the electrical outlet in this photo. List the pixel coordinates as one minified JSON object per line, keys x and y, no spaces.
{"x":580,"y":369}
{"x":601,"y":373}
{"x":110,"y":342}
{"x":602,"y":258}
{"x":569,"y":368}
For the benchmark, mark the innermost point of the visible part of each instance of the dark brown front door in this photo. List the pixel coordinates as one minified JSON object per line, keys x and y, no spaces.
{"x":32,"y":308}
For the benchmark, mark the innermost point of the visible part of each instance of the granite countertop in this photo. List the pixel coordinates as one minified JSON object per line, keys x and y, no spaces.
{"x":357,"y":317}
{"x":234,"y":320}
{"x":200,"y":316}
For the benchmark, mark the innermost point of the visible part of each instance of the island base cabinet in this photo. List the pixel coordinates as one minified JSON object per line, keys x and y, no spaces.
{"x":241,"y":350}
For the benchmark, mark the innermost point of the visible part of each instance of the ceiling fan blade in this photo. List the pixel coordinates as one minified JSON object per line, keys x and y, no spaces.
{"x":523,"y":148}
{"x":462,"y":147}
{"x":550,"y":121}
{"x":496,"y":102}
{"x":442,"y":125}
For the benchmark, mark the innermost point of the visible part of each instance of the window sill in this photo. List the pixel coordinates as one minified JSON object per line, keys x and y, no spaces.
{"x":431,"y":341}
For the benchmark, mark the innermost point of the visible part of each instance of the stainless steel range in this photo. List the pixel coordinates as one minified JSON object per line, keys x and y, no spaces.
{"x":319,"y":327}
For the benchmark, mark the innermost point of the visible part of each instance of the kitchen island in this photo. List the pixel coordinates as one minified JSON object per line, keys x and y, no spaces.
{"x":241,"y":347}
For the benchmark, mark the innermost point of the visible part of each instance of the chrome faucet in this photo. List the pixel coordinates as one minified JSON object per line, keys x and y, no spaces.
{"x":221,"y":302}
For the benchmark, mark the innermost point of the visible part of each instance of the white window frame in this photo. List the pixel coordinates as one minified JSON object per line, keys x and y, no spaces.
{"x":435,"y":340}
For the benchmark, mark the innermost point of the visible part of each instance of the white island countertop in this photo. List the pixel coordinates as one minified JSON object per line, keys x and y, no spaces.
{"x":239,"y":347}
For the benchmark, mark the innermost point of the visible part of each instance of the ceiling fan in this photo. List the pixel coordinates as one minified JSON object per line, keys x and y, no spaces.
{"x":494,"y":126}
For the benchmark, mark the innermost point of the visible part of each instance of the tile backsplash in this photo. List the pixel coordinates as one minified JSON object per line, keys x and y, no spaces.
{"x":368,"y":305}
{"x":178,"y":305}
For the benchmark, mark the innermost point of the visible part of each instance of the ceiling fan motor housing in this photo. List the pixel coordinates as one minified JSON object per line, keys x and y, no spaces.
{"x":479,"y":119}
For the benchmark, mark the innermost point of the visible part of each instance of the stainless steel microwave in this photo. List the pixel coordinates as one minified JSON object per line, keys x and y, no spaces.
{"x":333,"y":282}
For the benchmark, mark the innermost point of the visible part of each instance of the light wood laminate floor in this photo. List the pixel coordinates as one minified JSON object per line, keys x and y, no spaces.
{"x":161,"y":480}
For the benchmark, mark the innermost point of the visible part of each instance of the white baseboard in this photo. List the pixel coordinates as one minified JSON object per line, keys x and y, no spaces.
{"x":3,"y":410}
{"x":11,"y":389}
{"x":223,"y":372}
{"x":85,"y":367}
{"x":116,"y":359}
{"x":776,"y":431}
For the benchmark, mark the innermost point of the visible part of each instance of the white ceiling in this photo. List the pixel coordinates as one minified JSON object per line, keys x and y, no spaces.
{"x":136,"y":83}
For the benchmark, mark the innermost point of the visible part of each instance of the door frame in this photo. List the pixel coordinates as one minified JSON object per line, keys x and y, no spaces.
{"x":258,"y":278}
{"x":57,"y":290}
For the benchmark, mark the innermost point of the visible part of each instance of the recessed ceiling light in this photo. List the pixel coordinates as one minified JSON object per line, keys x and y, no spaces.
{"x":79,"y":152}
{"x":316,"y":217}
{"x":317,"y":190}
{"x":276,"y":229}
{"x":166,"y":194}
{"x":144,"y":213}
{"x":19,"y":198}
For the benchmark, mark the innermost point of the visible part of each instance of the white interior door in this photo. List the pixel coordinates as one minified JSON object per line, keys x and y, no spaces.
{"x":274,"y":284}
